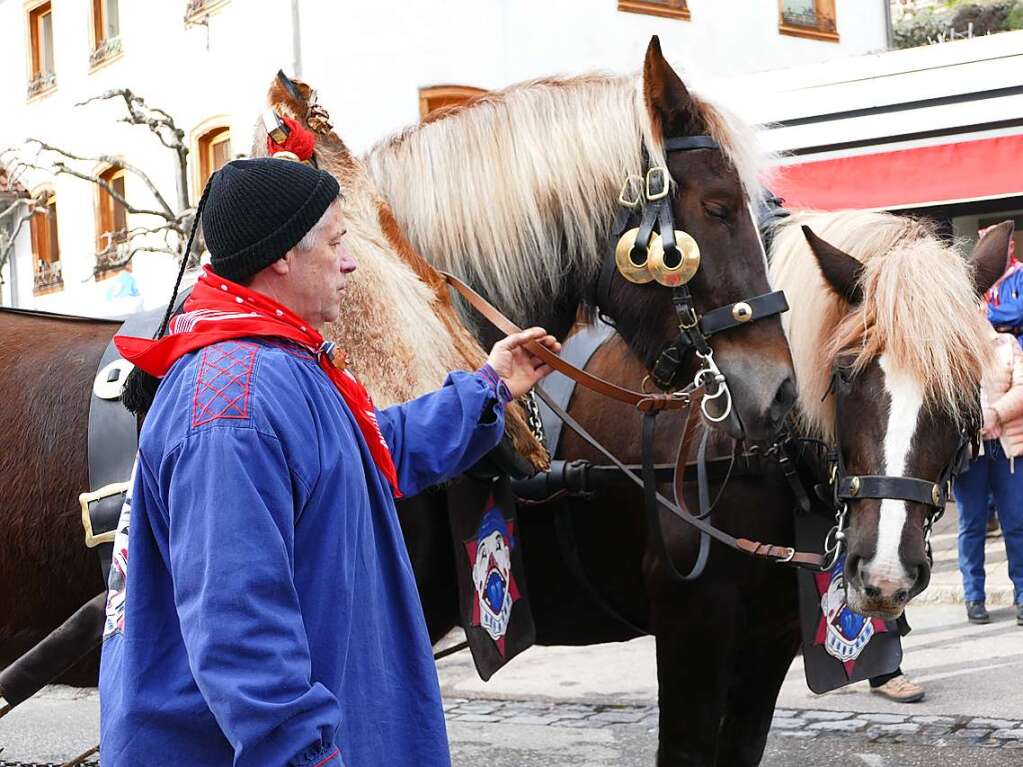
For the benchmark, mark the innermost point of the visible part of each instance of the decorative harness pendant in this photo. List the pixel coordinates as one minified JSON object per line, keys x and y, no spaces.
{"x":676,"y":266}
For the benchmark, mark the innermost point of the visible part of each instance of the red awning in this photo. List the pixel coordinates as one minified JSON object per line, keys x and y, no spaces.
{"x":931,"y":175}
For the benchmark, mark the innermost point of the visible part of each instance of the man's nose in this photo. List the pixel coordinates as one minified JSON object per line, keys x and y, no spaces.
{"x":348,"y":264}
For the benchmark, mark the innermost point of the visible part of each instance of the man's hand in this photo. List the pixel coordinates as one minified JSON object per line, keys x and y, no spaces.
{"x":519,"y":369}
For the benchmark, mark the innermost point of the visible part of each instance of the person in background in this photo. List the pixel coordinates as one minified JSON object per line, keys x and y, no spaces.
{"x":994,"y":469}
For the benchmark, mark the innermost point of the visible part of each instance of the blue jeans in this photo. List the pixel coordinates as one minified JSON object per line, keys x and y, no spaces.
{"x":989,"y":472}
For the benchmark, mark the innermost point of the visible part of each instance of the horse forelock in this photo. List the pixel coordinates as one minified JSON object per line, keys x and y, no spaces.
{"x":517,"y":188}
{"x":919,"y":310}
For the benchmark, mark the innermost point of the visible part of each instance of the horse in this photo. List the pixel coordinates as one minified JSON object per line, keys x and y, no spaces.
{"x":894,"y":307}
{"x":516,"y":191}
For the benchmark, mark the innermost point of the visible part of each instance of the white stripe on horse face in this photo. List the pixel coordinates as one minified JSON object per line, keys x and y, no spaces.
{"x":906,"y":400}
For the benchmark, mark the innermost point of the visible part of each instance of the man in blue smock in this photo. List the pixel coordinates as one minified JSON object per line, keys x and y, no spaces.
{"x":269,"y":615}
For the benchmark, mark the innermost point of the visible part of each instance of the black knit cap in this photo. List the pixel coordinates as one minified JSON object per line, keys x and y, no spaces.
{"x":257,"y":210}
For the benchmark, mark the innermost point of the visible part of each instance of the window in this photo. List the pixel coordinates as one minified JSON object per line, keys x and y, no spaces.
{"x":214,"y":154}
{"x":111,"y":215}
{"x":672,"y":9}
{"x":45,"y":247}
{"x":438,"y":97}
{"x":106,"y":40}
{"x":40,"y":33}
{"x":198,"y":11}
{"x":808,"y":18}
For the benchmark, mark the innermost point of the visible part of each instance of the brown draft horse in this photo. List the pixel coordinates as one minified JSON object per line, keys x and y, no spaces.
{"x":725,"y":642}
{"x":476,"y":214}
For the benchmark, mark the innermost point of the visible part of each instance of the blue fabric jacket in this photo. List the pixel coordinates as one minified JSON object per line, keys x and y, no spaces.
{"x":271,"y":616}
{"x":1009,"y":312}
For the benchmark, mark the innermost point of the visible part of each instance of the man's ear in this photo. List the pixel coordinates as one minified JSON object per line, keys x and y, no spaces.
{"x":282,"y":265}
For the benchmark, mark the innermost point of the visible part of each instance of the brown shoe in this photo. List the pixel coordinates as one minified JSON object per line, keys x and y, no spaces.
{"x":900,"y":690}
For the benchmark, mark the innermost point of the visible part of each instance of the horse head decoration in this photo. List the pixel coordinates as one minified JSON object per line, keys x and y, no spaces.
{"x":888,"y":342}
{"x":526,"y":194}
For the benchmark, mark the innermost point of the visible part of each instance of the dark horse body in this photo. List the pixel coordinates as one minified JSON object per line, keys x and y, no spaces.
{"x":49,"y":366}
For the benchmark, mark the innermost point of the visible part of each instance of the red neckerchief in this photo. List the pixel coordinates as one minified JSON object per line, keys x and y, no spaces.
{"x":219,"y":310}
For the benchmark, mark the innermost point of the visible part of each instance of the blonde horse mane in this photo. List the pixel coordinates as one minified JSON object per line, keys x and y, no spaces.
{"x":507,"y":187}
{"x":919,"y":309}
{"x":398,"y":325}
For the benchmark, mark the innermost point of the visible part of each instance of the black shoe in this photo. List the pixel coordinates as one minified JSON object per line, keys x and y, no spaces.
{"x":977,"y":613}
{"x":1019,"y":614}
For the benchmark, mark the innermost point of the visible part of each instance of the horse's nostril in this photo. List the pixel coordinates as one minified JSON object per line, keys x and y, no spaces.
{"x":872,"y":592}
{"x":901,"y":595}
{"x":784,"y":399}
{"x":852,"y":567}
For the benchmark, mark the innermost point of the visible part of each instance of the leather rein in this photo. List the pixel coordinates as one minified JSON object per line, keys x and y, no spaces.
{"x":687,"y":401}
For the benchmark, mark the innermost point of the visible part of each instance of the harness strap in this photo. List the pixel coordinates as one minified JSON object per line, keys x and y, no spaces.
{"x":640,"y":400}
{"x":650,"y":495}
{"x":734,"y":316}
{"x":679,"y":143}
{"x":892,"y":488}
{"x":771,"y":552}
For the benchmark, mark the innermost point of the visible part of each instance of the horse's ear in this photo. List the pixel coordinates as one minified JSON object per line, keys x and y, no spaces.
{"x":670,"y":105}
{"x":990,"y":256}
{"x":843,"y":272}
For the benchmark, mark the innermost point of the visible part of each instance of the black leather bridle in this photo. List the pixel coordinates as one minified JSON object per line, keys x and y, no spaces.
{"x":649,"y":206}
{"x":845,"y":488}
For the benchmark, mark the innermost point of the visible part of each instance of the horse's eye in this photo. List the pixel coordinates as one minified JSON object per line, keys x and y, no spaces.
{"x":716,"y":211}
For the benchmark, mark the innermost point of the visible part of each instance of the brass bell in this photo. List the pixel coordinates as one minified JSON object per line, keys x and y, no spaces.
{"x":936,"y":495}
{"x":677,"y":268}
{"x":630,"y":269}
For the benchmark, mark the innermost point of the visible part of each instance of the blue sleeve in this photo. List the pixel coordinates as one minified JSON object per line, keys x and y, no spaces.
{"x":441,"y":434}
{"x":1009,"y":312}
{"x":231,"y":510}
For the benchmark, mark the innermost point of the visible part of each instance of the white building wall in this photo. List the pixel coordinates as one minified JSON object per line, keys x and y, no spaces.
{"x":367,"y":58}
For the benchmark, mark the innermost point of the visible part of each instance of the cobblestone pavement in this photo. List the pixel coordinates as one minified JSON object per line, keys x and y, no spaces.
{"x":607,"y":734}
{"x":928,"y":730}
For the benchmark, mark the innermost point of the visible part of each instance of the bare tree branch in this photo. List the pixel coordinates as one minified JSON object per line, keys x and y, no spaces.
{"x":114,"y":162}
{"x":7,"y":247}
{"x":160,"y":123}
{"x":121,"y":263}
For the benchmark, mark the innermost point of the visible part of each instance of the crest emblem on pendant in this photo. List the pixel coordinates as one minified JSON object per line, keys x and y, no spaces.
{"x":490,"y":563}
{"x":843,"y":633}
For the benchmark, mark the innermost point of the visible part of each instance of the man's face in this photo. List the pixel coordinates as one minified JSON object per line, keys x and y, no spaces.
{"x":317,"y":277}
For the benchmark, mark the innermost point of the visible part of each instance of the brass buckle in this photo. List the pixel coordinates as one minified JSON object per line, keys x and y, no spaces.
{"x":91,"y":539}
{"x":275,"y":127}
{"x":683,"y":325}
{"x":665,"y":183}
{"x":632,"y":183}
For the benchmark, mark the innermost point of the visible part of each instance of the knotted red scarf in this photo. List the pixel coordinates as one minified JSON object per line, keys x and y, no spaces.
{"x":219,"y":310}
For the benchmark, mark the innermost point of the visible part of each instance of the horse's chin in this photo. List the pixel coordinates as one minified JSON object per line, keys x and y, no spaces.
{"x":872,"y":608}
